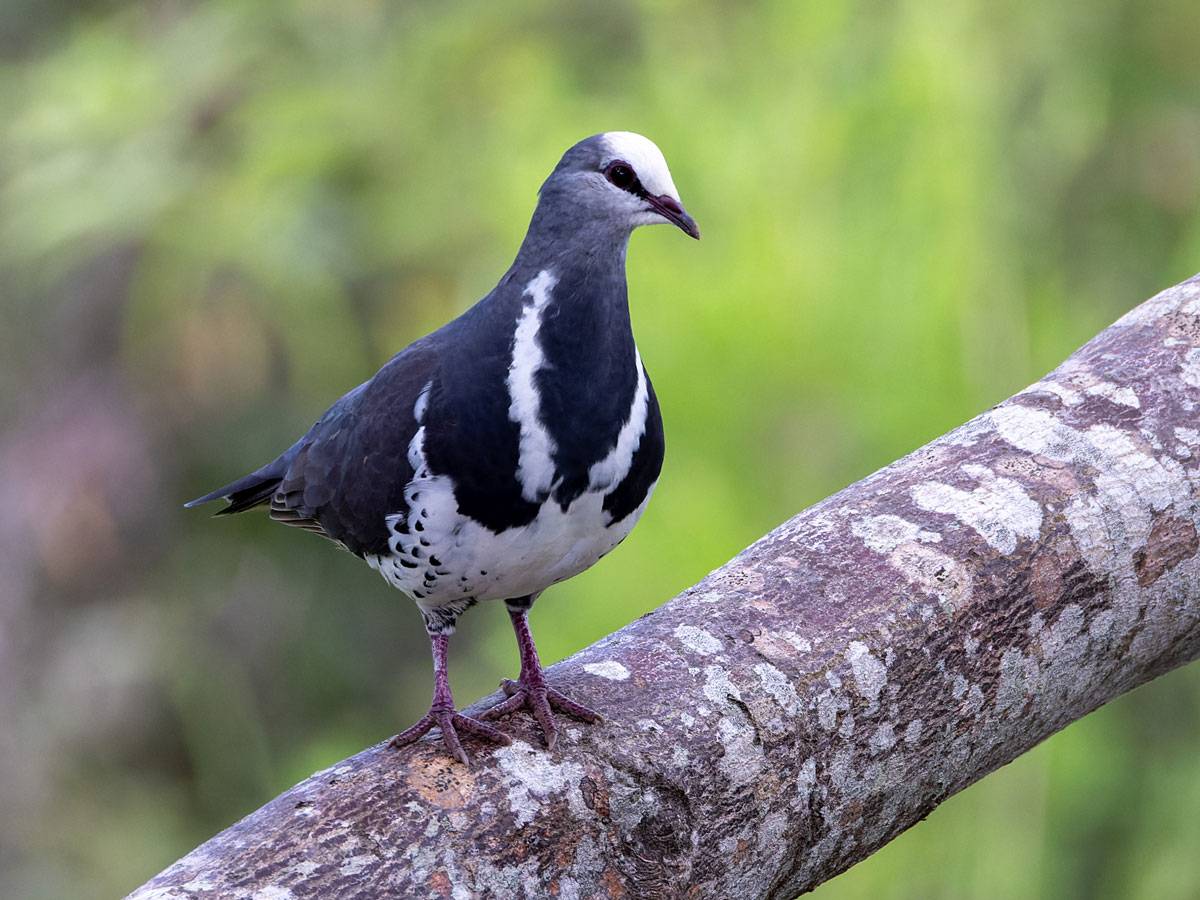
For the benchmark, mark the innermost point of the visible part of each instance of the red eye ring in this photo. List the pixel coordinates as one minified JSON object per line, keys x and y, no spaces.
{"x":621,"y":175}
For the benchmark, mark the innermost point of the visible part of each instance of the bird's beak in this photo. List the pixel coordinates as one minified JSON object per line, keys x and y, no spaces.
{"x":668,"y":207}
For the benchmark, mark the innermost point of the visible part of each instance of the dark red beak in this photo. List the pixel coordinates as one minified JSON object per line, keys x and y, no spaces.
{"x":669,"y":208}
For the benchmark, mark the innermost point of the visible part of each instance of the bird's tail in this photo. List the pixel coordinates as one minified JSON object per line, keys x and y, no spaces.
{"x":245,"y":493}
{"x":253,"y":490}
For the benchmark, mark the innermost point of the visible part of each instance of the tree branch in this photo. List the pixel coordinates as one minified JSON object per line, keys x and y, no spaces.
{"x":824,"y":690}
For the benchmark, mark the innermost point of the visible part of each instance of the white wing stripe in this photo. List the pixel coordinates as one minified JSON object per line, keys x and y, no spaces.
{"x":535,"y":467}
{"x":608,"y":472}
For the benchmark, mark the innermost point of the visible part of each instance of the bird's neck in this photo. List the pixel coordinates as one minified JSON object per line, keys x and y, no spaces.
{"x":561,"y":241}
{"x":583,"y":277}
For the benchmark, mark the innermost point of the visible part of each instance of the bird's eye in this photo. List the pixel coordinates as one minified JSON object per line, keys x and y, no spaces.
{"x":621,"y":175}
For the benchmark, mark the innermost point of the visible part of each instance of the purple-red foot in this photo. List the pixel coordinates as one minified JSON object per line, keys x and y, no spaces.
{"x":540,"y":699}
{"x":450,"y":722}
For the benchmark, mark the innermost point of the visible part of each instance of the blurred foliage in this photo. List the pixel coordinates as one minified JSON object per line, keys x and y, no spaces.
{"x":215,"y":217}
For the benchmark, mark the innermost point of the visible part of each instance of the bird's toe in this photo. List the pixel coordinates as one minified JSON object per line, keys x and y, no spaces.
{"x":567,"y":706}
{"x":408,"y":735}
{"x":515,"y":701}
{"x":450,"y":723}
{"x":480,"y":730}
{"x":541,"y":701}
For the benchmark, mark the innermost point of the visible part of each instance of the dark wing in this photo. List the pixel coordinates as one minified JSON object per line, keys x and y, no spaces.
{"x":348,"y":473}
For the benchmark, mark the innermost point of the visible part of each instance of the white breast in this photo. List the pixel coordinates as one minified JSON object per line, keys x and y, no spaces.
{"x":457,"y":558}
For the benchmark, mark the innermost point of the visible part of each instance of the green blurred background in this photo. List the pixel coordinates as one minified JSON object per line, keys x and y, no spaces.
{"x":215,"y":217}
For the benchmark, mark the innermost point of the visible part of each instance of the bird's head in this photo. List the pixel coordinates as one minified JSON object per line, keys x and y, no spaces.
{"x":621,"y":178}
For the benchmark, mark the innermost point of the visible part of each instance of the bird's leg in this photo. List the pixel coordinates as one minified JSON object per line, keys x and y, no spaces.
{"x":442,"y":713}
{"x":530,"y":690}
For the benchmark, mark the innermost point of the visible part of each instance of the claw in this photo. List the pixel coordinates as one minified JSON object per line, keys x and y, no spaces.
{"x":449,"y":722}
{"x":540,"y":699}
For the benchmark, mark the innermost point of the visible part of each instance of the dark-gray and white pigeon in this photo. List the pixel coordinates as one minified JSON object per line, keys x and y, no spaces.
{"x":508,"y":450}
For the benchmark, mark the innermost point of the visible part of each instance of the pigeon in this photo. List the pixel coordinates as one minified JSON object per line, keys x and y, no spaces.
{"x":508,"y":450}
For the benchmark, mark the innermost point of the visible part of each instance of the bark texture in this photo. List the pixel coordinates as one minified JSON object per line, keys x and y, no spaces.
{"x":824,"y":690}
